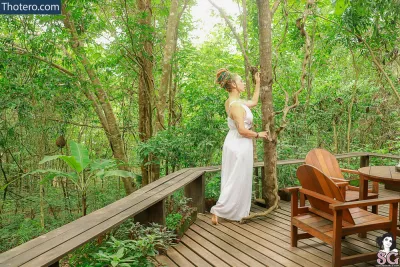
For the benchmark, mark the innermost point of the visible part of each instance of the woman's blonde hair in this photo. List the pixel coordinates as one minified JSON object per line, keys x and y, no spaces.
{"x":226,"y":79}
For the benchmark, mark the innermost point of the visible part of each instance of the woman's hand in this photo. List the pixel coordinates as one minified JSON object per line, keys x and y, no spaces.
{"x":257,"y":77}
{"x":263,"y":135}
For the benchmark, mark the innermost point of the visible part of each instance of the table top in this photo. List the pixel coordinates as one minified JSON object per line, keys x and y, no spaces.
{"x":381,"y":173}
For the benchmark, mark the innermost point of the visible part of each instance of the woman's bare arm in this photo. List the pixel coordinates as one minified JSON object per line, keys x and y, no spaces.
{"x":254,"y":100}
{"x":237,"y":113}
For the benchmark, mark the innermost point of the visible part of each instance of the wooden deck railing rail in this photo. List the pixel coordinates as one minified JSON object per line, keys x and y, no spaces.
{"x":146,"y":205}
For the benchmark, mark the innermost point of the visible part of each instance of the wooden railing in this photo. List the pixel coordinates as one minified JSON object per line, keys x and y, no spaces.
{"x":146,"y":205}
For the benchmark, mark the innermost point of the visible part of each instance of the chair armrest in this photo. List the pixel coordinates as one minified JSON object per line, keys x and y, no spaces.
{"x":364,"y":203}
{"x":318,"y":196}
{"x":349,"y":171}
{"x":338,"y":180}
{"x":292,"y":190}
{"x":353,"y":188}
{"x":342,"y":184}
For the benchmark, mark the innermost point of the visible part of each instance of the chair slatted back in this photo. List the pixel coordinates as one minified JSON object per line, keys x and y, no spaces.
{"x":325,"y":161}
{"x":315,"y":180}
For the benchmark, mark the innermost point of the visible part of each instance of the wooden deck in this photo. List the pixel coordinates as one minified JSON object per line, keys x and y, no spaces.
{"x":262,"y":242}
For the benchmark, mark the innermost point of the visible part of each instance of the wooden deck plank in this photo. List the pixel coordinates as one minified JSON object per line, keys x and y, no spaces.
{"x":165,"y":261}
{"x":205,"y":254}
{"x":231,"y":238}
{"x":295,"y":255}
{"x":191,"y":256}
{"x":230,"y":246}
{"x":177,"y":258}
{"x":284,"y":235}
{"x":266,"y":249}
{"x":260,"y":253}
{"x":221,"y":254}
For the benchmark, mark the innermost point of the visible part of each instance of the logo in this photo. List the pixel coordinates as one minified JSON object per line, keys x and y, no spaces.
{"x":30,"y":7}
{"x":388,"y":255}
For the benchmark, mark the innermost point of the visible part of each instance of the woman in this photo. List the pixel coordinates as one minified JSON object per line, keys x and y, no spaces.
{"x":237,"y":155}
{"x":386,"y":243}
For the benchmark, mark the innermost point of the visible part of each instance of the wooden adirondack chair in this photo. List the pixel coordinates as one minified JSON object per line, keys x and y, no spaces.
{"x":328,"y":164}
{"x":329,"y":217}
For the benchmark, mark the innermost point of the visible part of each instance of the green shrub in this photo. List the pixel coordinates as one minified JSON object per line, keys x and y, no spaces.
{"x":131,"y":245}
{"x":173,"y":220}
{"x":213,"y":187}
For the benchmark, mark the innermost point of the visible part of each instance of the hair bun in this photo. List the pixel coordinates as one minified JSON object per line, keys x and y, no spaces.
{"x":223,"y":75}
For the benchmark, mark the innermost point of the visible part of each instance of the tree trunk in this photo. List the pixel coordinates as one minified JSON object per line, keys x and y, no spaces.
{"x":99,"y":100}
{"x":270,"y":158}
{"x":246,"y":48}
{"x":150,"y":172}
{"x":335,"y":135}
{"x":84,"y":204}
{"x":353,"y":98}
{"x":169,"y":49}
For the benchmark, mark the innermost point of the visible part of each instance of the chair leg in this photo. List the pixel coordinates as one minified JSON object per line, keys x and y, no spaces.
{"x":375,"y":209}
{"x":337,"y":238}
{"x":293,"y":235}
{"x":302,"y":200}
{"x":337,"y":254}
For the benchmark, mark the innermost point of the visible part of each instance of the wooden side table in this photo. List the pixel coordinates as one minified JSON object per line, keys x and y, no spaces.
{"x":381,"y":174}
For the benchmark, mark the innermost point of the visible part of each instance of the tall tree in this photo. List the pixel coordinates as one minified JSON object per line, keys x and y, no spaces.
{"x":170,"y":47}
{"x":98,"y":96}
{"x":265,"y":15}
{"x":246,"y":47}
{"x":150,"y":170}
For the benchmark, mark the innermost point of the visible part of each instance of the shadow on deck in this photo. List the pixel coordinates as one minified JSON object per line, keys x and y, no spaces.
{"x":262,"y":242}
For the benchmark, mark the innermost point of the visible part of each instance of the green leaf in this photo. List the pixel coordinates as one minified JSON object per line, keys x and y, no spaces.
{"x":73,"y":163}
{"x":120,"y":253}
{"x":53,"y":173}
{"x":70,"y":160}
{"x":114,"y":263}
{"x":50,"y":158}
{"x":119,"y":173}
{"x":341,"y":6}
{"x":101,"y":164}
{"x":80,"y":153}
{"x":100,"y":174}
{"x":2,"y":187}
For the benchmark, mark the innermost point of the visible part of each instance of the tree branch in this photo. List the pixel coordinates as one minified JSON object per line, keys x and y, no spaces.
{"x":223,"y":14}
{"x":275,"y":7}
{"x":183,"y":9}
{"x":378,"y":65}
{"x":301,"y":25}
{"x":21,"y":51}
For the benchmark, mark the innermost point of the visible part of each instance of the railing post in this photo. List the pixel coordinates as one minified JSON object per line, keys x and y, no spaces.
{"x":196,"y":191}
{"x":153,"y":214}
{"x":364,"y":161}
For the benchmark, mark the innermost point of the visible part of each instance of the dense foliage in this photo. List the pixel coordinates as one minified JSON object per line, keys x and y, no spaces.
{"x":349,"y":103}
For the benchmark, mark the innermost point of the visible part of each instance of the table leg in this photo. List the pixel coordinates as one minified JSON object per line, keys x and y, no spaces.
{"x":363,"y":195}
{"x":398,"y":229}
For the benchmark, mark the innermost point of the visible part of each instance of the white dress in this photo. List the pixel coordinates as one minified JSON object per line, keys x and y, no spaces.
{"x":236,"y":172}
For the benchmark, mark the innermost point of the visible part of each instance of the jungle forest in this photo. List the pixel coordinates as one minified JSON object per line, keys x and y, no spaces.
{"x":112,"y":100}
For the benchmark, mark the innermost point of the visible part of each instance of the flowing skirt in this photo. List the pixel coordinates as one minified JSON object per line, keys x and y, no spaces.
{"x":236,"y":178}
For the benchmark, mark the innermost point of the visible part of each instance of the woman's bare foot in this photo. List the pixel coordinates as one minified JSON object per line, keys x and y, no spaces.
{"x":214,"y":219}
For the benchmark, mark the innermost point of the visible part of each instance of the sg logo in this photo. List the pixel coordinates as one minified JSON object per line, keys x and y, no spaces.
{"x":391,"y":258}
